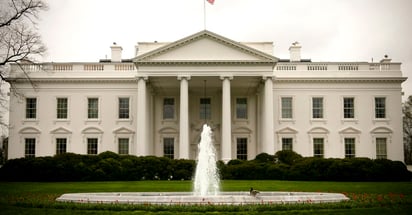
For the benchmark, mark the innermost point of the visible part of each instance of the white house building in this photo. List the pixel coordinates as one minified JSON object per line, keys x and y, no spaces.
{"x":156,"y":103}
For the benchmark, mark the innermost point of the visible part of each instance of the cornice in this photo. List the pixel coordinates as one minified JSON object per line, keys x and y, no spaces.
{"x":340,"y":79}
{"x":75,"y":80}
{"x":205,"y":62}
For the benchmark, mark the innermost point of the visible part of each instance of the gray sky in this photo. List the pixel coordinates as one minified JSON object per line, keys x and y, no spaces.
{"x":328,"y":30}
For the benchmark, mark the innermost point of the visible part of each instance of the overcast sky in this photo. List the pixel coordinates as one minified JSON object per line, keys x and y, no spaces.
{"x":328,"y":30}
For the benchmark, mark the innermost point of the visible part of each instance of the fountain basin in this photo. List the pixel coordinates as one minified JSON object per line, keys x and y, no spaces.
{"x":187,"y":198}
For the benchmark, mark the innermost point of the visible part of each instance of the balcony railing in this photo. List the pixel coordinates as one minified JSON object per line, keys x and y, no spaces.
{"x":67,"y":67}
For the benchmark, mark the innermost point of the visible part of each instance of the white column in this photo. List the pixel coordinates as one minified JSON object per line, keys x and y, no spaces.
{"x":142,"y":146}
{"x":226,"y":143}
{"x":184,"y":117}
{"x":268,"y":144}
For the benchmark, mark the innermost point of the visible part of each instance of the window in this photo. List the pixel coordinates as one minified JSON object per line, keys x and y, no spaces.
{"x":381,"y":148}
{"x":61,"y":146}
{"x":168,"y":108}
{"x":92,"y":108}
{"x":205,"y":108}
{"x":169,"y":147}
{"x":241,"y":108}
{"x":241,"y":148}
{"x":62,"y":108}
{"x":124,"y":108}
{"x":123,"y":146}
{"x":30,"y":147}
{"x":287,"y":107}
{"x":31,"y":108}
{"x":318,"y":150}
{"x":349,"y":147}
{"x":380,"y":107}
{"x":92,"y":146}
{"x":317,"y":108}
{"x":287,"y":143}
{"x":348,"y":108}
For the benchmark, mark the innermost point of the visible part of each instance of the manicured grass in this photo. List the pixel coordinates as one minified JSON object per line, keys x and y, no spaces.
{"x":366,"y":197}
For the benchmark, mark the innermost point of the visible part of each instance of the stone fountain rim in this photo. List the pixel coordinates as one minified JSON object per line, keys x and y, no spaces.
{"x":187,"y":198}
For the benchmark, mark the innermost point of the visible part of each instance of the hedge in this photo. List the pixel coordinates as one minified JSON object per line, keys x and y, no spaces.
{"x":284,"y":165}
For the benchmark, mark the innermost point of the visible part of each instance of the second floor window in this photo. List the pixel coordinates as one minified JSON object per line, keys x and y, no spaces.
{"x":168,"y":108}
{"x":241,"y":108}
{"x":317,"y":108}
{"x":62,"y":108}
{"x":349,"y":108}
{"x":380,"y":107}
{"x":92,"y":108}
{"x":287,"y":111}
{"x":124,"y":108}
{"x":205,"y":108}
{"x":31,"y":108}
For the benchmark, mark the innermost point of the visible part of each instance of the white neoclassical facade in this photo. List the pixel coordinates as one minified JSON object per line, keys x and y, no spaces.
{"x":156,"y":103}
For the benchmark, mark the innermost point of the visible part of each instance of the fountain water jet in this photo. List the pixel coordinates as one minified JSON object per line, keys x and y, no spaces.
{"x":207,"y":181}
{"x":206,"y":189}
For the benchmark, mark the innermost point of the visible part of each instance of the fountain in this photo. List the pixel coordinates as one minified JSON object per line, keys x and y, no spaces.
{"x":205,"y":189}
{"x":207,"y":179}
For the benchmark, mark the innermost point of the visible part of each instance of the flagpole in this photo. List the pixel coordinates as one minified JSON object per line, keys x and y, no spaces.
{"x":204,"y":14}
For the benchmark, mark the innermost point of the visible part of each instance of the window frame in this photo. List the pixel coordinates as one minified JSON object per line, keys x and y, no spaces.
{"x":90,"y":150}
{"x":351,"y":115}
{"x":205,"y":113}
{"x":315,"y":143}
{"x":31,"y":112}
{"x":169,"y":147}
{"x":242,"y":148}
{"x":352,"y":153}
{"x":119,"y":108}
{"x":243,"y":107}
{"x":88,"y":113}
{"x":376,"y":108}
{"x":378,"y":148}
{"x":58,"y":145}
{"x":283,"y":114}
{"x":66,"y":109}
{"x":284,"y":143}
{"x":30,"y":147}
{"x":121,"y":144}
{"x":170,"y":106}
{"x":321,"y":108}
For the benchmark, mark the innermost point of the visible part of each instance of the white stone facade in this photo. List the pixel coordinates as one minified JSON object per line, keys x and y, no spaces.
{"x":157,"y":102}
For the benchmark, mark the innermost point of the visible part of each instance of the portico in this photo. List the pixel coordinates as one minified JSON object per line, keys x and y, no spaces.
{"x":206,"y":78}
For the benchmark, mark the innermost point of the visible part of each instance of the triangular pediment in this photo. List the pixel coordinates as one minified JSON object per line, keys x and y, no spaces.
{"x":123,"y":130}
{"x":61,"y":130}
{"x":287,"y":130}
{"x":350,"y":130}
{"x":204,"y":47}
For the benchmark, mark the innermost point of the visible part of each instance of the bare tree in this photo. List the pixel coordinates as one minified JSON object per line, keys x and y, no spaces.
{"x":407,"y":129}
{"x":19,"y":40}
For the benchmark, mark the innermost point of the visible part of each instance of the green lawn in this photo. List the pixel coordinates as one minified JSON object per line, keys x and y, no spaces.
{"x":366,"y":198}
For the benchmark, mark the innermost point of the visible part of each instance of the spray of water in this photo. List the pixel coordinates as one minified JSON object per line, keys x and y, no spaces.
{"x":207,"y":181}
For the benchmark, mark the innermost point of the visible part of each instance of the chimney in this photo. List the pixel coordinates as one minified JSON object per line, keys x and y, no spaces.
{"x":386,"y":59}
{"x":116,"y":53}
{"x":294,"y":51}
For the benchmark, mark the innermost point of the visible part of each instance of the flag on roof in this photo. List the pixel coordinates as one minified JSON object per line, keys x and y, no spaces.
{"x":211,"y":1}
